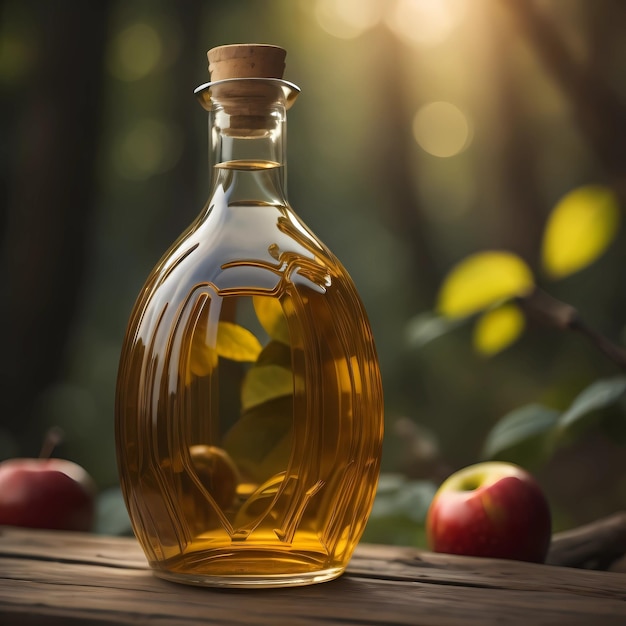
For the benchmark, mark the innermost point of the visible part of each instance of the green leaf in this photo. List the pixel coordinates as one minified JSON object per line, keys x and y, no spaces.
{"x":270,"y":314}
{"x":599,"y":395}
{"x":275,"y":353}
{"x":427,"y":327}
{"x":270,"y":377}
{"x":580,"y":228}
{"x":277,"y":457}
{"x":111,"y":513}
{"x":259,"y":442}
{"x":263,"y":383}
{"x":237,"y":343}
{"x":525,"y":425}
{"x":399,"y":511}
{"x":481,"y":281}
{"x":498,"y":328}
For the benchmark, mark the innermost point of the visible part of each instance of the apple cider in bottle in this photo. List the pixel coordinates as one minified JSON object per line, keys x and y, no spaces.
{"x":249,"y":412}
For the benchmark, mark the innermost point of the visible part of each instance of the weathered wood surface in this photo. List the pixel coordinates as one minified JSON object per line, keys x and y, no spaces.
{"x":49,"y":577}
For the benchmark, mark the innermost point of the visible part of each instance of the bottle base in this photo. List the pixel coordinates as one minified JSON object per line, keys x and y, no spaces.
{"x":245,"y":581}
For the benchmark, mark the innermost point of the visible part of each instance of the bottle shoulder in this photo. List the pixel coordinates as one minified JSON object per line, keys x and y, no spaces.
{"x":262,"y":251}
{"x":250,"y":247}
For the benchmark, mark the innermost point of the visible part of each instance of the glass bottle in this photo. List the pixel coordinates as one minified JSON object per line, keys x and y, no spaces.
{"x":249,"y":413}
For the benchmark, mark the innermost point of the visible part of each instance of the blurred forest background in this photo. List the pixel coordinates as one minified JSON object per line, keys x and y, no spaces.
{"x":427,"y":130}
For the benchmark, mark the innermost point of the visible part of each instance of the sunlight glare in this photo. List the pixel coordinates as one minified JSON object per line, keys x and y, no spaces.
{"x":425,"y":22}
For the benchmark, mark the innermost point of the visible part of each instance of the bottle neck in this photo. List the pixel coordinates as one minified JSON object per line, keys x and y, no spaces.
{"x":248,"y":151}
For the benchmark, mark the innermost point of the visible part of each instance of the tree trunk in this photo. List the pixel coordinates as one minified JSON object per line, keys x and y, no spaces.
{"x":50,"y":202}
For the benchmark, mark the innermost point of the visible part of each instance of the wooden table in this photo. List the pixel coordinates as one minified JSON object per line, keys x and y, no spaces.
{"x":62,"y":578}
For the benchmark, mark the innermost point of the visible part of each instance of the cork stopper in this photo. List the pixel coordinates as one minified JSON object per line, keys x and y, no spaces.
{"x":246,"y":61}
{"x":247,"y":102}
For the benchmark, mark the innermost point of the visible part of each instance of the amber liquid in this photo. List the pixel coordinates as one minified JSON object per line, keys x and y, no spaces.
{"x":249,"y":404}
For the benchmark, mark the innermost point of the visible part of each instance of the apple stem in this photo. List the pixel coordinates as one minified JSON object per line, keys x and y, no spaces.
{"x":54,"y":436}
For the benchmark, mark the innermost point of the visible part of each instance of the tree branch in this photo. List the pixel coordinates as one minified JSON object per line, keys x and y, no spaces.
{"x":598,"y":545}
{"x":542,"y":308}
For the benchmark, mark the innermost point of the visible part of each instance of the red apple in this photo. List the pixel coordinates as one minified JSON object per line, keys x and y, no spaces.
{"x":490,"y":509}
{"x":46,"y":493}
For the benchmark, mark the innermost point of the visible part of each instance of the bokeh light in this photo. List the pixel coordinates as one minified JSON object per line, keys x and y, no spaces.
{"x":135,"y":52}
{"x":347,"y":19}
{"x":425,"y":22}
{"x":441,"y":129}
{"x":16,"y":56}
{"x":151,"y":146}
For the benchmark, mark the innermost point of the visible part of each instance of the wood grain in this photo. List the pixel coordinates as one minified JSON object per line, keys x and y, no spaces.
{"x":70,"y":578}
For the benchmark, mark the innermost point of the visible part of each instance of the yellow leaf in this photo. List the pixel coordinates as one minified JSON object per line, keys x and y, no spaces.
{"x":271,"y":316}
{"x":264,"y":383}
{"x":236,"y":342}
{"x":497,"y":329}
{"x":482,"y":280}
{"x":580,"y":228}
{"x":203,"y":358}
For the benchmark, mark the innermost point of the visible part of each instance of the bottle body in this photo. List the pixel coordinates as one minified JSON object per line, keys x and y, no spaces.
{"x":249,"y":409}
